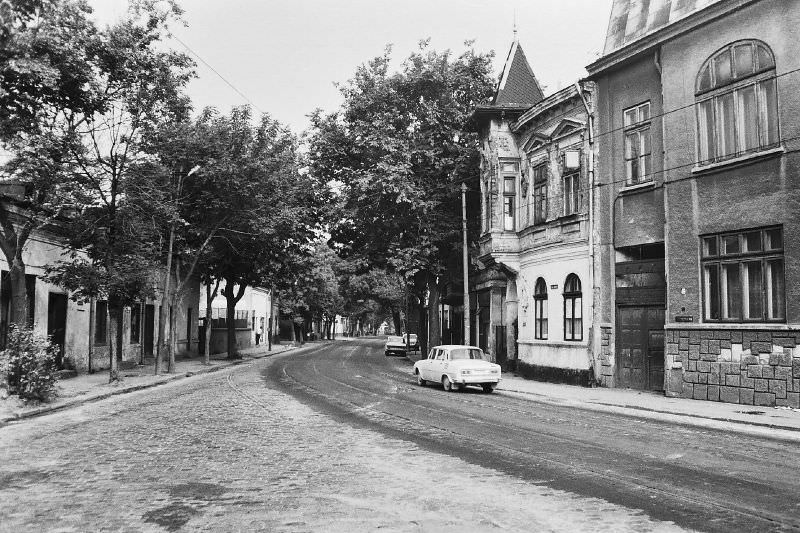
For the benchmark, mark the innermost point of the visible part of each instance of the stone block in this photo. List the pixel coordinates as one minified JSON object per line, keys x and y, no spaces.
{"x":722,"y":334}
{"x":763,"y":358}
{"x":749,"y":359}
{"x":714,"y":379}
{"x":768,"y":372}
{"x":729,"y":394}
{"x":725,"y":355}
{"x":733,"y":368}
{"x":754,"y":371}
{"x":761,"y":347}
{"x":683,"y":343}
{"x":796,"y":367}
{"x":703,"y":366}
{"x":777,"y":387}
{"x":732,"y":381}
{"x":672,"y":349}
{"x":736,"y":352}
{"x":700,"y":392}
{"x":713,"y":347}
{"x":692,"y":366}
{"x":706,"y":334}
{"x":725,"y":344}
{"x":736,"y":336}
{"x":774,"y":358}
{"x":674,"y":382}
{"x":786,"y":342}
{"x":684,"y":333}
{"x":796,"y":385}
{"x":764,"y":336}
{"x":747,"y":383}
{"x":694,"y":337}
{"x":690,"y":377}
{"x":785,"y":359}
{"x":694,"y":351}
{"x":702,"y":377}
{"x":748,"y":337}
{"x":767,"y":399}
{"x":713,"y":393}
{"x":746,"y":396}
{"x":793,"y":399}
{"x":760,"y":385}
{"x":704,"y":346}
{"x":688,"y":389}
{"x":784,"y":373}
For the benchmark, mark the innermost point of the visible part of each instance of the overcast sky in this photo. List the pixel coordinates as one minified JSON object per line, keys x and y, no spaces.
{"x":285,"y":55}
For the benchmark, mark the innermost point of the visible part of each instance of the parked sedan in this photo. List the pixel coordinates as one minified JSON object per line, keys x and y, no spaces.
{"x":456,"y":366}
{"x":395,"y":345}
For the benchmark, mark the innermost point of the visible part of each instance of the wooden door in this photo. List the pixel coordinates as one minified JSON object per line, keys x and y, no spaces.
{"x":640,"y":347}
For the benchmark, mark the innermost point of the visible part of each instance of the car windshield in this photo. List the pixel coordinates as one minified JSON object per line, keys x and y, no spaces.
{"x":466,"y":353}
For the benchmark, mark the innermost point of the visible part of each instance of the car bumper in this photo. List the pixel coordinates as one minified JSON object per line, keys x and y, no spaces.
{"x":399,"y":351}
{"x":476,"y":380}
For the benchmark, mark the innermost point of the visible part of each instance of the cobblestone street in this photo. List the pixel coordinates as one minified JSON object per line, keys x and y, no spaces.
{"x":223,"y":452}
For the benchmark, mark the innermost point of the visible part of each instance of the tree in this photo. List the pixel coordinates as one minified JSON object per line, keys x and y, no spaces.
{"x":46,"y":63}
{"x":399,"y":149}
{"x":138,"y":85}
{"x":277,"y":206}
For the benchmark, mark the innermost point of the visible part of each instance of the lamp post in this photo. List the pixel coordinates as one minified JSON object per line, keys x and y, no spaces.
{"x":465,"y":261}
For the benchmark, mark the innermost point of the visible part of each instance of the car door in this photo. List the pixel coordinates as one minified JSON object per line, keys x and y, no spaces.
{"x":436,"y":365}
{"x":424,"y":365}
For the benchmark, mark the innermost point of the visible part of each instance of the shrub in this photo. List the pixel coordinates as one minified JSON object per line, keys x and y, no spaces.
{"x":28,"y":364}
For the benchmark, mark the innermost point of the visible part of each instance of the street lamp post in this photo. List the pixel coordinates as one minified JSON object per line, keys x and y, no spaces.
{"x":465,"y":261}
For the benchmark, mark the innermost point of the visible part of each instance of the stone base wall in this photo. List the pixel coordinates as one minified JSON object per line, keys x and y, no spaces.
{"x":570,"y":376}
{"x":735,"y":366}
{"x":606,"y":359}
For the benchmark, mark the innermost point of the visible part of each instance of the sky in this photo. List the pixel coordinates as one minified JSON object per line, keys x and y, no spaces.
{"x":285,"y":56}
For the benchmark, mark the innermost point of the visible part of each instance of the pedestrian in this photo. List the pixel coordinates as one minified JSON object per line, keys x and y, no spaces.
{"x":259,"y":332}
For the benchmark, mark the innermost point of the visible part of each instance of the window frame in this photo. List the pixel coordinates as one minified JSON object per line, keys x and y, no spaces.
{"x":572,"y":202}
{"x":709,"y":127}
{"x":639,"y":127}
{"x":540,"y":315}
{"x":571,"y":298}
{"x":740,"y":258}
{"x":540,"y":186}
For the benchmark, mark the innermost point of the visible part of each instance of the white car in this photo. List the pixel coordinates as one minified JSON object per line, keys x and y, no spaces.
{"x":395,"y":345}
{"x":455,"y":366}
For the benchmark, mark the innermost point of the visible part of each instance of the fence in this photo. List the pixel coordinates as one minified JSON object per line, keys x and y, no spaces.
{"x":219,"y":318}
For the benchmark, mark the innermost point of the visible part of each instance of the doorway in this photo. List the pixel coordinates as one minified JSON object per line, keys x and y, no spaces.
{"x":149,"y":329}
{"x":640,"y":347}
{"x":57,"y":324}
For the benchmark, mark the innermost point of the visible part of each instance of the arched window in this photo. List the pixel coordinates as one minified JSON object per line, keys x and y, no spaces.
{"x":737,"y":104}
{"x":540,"y":309}
{"x":573,"y":309}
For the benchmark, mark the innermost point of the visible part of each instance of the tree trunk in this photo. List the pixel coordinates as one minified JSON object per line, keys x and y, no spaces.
{"x":422,"y":330}
{"x":397,"y":321}
{"x":210,"y":295}
{"x":231,"y":299}
{"x":19,"y":293}
{"x":113,"y":332}
{"x":292,"y":335}
{"x":173,"y":319}
{"x":434,"y":318}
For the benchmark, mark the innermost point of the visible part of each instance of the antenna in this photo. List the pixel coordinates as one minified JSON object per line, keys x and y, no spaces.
{"x":515,"y":24}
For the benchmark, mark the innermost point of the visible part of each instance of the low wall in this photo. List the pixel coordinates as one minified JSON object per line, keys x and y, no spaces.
{"x":219,"y":339}
{"x":736,"y":366}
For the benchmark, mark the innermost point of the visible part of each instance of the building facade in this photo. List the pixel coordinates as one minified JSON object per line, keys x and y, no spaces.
{"x":697,"y":183}
{"x":532,"y":296}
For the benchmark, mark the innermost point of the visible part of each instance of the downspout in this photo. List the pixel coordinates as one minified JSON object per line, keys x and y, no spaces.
{"x":590,"y":172}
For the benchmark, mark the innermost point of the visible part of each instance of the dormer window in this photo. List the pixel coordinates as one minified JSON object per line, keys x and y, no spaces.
{"x":737,"y":105}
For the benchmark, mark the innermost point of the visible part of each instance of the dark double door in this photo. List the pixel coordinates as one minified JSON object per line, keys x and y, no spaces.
{"x":640,"y":347}
{"x":57,"y":323}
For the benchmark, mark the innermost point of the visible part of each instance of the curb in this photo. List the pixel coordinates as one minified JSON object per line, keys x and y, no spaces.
{"x":135,"y":388}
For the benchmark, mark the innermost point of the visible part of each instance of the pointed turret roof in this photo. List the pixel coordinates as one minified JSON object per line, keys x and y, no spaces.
{"x":518,"y":85}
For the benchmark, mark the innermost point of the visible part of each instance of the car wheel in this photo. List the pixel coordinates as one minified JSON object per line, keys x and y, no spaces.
{"x":386,"y":354}
{"x":421,"y":382}
{"x":488,"y":387}
{"x":447,"y":384}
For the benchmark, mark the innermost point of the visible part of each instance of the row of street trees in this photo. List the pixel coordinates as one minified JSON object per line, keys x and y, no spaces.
{"x":397,"y":151}
{"x":104,"y":148}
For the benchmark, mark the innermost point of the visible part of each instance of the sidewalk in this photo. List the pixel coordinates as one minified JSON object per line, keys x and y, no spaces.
{"x":92,"y":387}
{"x":771,"y":422}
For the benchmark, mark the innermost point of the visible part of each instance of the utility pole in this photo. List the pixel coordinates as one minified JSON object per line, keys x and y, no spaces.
{"x":466,"y":261}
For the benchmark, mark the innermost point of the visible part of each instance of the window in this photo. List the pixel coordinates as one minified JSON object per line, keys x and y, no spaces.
{"x":737,"y":105}
{"x":487,"y":206}
{"x":637,"y":144}
{"x":571,"y":193}
{"x":743,"y":277}
{"x":540,"y":193}
{"x":509,"y":181}
{"x":100,"y":322}
{"x":136,"y":322}
{"x":573,"y":309}
{"x":540,"y":310}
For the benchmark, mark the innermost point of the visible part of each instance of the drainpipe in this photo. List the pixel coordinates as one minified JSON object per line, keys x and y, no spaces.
{"x":590,"y":171}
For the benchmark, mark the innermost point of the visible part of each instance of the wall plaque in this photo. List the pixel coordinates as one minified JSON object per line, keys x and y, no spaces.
{"x":684,"y":318}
